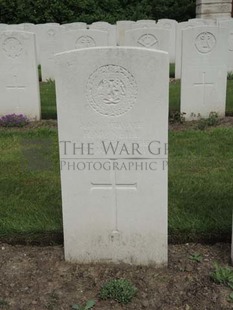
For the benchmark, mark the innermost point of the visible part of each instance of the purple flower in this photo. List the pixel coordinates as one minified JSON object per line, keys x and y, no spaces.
{"x":14,"y":120}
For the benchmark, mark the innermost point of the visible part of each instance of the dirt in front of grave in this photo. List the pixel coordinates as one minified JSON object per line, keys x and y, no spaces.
{"x":38,"y":278}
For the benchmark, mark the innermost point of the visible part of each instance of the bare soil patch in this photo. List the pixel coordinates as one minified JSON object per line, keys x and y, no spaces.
{"x":38,"y":278}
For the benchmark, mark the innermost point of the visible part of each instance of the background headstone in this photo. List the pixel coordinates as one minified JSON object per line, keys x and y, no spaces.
{"x":111,"y":29}
{"x":147,"y":23}
{"x":121,"y":97}
{"x":15,"y":27}
{"x":203,"y":21}
{"x":75,"y":26}
{"x":204,"y":72}
{"x":170,"y":24}
{"x":28,"y":27}
{"x":77,"y":39}
{"x":179,"y":28}
{"x":3,"y":27}
{"x":49,"y":40}
{"x":121,"y":27}
{"x":19,"y":82}
{"x":229,"y":25}
{"x":153,"y":38}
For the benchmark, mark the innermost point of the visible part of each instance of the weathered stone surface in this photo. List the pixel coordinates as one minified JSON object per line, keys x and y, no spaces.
{"x":19,"y":82}
{"x":204,"y":72}
{"x":114,"y":178}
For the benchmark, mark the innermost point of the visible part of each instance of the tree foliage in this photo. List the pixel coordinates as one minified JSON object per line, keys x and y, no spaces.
{"x":64,"y":11}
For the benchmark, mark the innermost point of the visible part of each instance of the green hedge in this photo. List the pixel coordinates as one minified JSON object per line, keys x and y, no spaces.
{"x":42,"y":11}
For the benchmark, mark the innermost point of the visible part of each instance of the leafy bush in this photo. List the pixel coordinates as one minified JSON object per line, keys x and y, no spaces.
{"x":93,"y":10}
{"x":14,"y":120}
{"x":223,"y":275}
{"x":89,"y":305}
{"x":176,"y":117}
{"x":120,"y":290}
{"x":211,"y":121}
{"x":196,"y":257}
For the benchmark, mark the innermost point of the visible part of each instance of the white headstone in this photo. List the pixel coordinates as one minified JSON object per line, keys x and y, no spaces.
{"x":170,"y":25}
{"x":179,"y":28}
{"x":153,"y":38}
{"x":29,"y":27}
{"x":75,"y":26}
{"x":49,"y":39}
{"x":77,"y":39}
{"x":203,"y":21}
{"x":100,"y":25}
{"x":146,"y":21}
{"x":114,"y":200}
{"x":220,"y":19}
{"x":15,"y":27}
{"x":111,"y":29}
{"x":229,"y":25}
{"x":121,"y":27}
{"x":3,"y":27}
{"x":144,"y":24}
{"x":204,"y":72}
{"x":19,"y":82}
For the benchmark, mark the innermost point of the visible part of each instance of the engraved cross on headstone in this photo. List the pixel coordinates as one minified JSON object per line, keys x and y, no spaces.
{"x":17,"y":87}
{"x":203,"y":85}
{"x":114,"y":186}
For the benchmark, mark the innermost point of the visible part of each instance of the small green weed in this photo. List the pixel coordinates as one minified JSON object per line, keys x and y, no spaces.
{"x":176,"y":117}
{"x":53,"y":301}
{"x":223,"y":275}
{"x":3,"y":303}
{"x":196,"y":257}
{"x":230,"y":298}
{"x":89,"y":305}
{"x":211,"y":121}
{"x":120,"y":290}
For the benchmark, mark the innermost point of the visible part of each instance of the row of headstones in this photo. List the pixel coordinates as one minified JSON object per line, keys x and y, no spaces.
{"x":53,"y":38}
{"x":203,"y":83}
{"x":112,"y":107}
{"x":166,"y":35}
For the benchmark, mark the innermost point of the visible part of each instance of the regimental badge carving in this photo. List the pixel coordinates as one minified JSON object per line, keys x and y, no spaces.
{"x":51,"y":32}
{"x":230,"y":42}
{"x":85,"y":41}
{"x":205,"y":42}
{"x":148,"y":40}
{"x":111,"y":90}
{"x":12,"y":47}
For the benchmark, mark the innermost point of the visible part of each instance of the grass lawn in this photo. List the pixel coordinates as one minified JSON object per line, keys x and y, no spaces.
{"x":30,"y":189}
{"x":200,"y":183}
{"x":48,"y":100}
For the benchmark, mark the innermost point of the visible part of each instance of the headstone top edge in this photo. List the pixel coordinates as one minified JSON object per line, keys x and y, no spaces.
{"x":87,"y":30}
{"x":207,"y":27}
{"x":149,"y":29}
{"x":17,"y":32}
{"x":119,"y":48}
